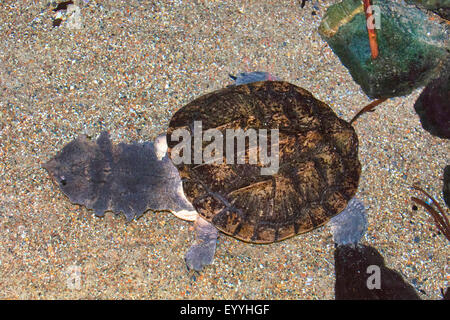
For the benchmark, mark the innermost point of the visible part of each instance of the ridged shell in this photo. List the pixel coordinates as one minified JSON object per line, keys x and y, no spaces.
{"x":318,"y":162}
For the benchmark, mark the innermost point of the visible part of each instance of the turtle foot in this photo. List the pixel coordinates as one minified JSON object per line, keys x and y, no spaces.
{"x":202,"y":252}
{"x":200,"y":255}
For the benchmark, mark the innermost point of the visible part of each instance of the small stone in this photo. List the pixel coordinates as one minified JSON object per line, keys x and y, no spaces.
{"x":69,"y":13}
{"x":74,"y":18}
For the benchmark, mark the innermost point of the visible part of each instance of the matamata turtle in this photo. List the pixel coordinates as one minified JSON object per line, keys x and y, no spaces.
{"x":261,"y":162}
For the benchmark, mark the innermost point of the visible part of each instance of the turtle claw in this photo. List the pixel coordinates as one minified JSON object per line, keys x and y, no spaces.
{"x":202,"y":252}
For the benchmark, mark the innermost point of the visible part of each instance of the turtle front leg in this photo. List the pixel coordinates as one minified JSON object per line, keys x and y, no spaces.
{"x":201,"y":253}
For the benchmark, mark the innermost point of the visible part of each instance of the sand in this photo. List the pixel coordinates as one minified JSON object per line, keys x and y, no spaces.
{"x":126,"y":68}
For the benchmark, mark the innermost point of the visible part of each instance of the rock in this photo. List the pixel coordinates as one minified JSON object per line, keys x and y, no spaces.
{"x":430,"y":4}
{"x":411,"y":46}
{"x":357,"y":266}
{"x":433,"y":105}
{"x":446,"y":188}
{"x":441,"y":7}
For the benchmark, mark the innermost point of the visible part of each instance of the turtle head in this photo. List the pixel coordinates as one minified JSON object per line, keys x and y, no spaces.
{"x":72,"y":168}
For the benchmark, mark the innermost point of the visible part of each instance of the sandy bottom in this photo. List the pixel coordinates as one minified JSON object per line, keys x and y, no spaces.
{"x":129,"y":67}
